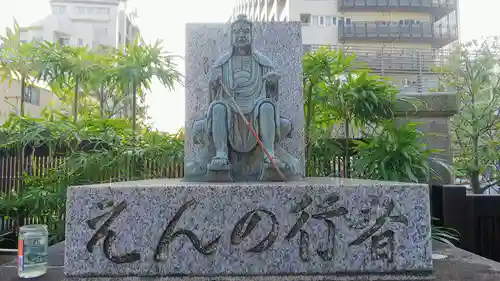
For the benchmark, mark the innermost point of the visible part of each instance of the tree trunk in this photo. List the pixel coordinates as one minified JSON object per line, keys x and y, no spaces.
{"x":134,"y":125}
{"x":309,"y":114}
{"x":475,"y":183}
{"x":101,"y":97}
{"x":347,"y":155}
{"x":75,"y":102}
{"x":134,"y":108}
{"x":23,"y":95}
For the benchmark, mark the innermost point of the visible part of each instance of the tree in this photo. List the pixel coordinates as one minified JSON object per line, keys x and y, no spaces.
{"x":338,"y":89}
{"x":67,"y":67}
{"x":137,"y":65}
{"x":473,"y":70}
{"x":16,"y":62}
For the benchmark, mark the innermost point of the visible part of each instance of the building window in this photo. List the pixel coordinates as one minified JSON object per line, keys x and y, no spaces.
{"x":324,"y":20}
{"x":32,"y":95}
{"x":37,"y":39}
{"x":102,"y":11}
{"x":80,"y":42}
{"x":330,"y":20}
{"x":64,"y":41}
{"x":321,"y":21}
{"x":58,"y":10}
{"x":305,"y":19}
{"x":91,"y":10}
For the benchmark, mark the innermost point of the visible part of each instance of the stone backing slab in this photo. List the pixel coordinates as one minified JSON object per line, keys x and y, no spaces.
{"x":432,"y":111}
{"x":279,"y":41}
{"x":349,"y":228}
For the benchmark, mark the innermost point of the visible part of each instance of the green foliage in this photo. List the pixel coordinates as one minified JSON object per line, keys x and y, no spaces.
{"x":322,"y":69}
{"x":87,"y":151}
{"x":338,"y":90}
{"x":396,"y":153}
{"x":98,"y":82}
{"x":90,"y":82}
{"x":444,"y":234}
{"x":473,"y":71}
{"x":17,"y":62}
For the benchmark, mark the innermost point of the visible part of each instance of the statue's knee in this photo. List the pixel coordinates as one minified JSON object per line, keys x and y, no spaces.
{"x":219,"y":110}
{"x":267,"y":108}
{"x":285,"y":127}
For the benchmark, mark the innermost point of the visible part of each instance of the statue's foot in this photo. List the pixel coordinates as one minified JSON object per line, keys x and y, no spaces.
{"x":276,"y":161}
{"x":219,"y":170}
{"x":269,"y":172}
{"x":219,"y":163}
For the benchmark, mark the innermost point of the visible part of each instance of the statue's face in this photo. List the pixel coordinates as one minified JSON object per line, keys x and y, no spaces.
{"x":242,"y":35}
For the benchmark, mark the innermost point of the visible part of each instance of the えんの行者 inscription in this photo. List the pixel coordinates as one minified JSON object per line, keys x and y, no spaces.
{"x":109,"y":236}
{"x":326,"y":213}
{"x":251,"y":220}
{"x":382,"y":245}
{"x":264,"y":222}
{"x":171,"y":233}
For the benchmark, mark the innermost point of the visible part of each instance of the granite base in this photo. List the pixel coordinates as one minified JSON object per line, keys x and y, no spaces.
{"x":353,"y":277}
{"x":317,"y":229}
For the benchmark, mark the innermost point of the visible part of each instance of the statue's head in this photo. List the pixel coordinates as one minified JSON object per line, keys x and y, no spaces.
{"x":241,"y":32}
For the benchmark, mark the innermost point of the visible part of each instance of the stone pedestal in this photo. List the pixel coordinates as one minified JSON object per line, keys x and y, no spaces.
{"x":317,"y":229}
{"x":433,"y":111}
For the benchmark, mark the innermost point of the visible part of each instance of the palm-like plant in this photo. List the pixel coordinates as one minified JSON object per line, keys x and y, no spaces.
{"x":67,"y":67}
{"x":337,"y":89}
{"x":16,"y":61}
{"x":321,"y":69}
{"x":138,"y":64}
{"x":396,"y":153}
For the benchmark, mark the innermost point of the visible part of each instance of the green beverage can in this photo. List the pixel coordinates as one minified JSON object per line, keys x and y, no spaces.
{"x":32,"y":251}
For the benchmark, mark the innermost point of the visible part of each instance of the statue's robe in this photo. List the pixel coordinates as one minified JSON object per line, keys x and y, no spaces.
{"x":249,"y":92}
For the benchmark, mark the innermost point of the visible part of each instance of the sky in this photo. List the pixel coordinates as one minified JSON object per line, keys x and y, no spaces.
{"x":165,"y":20}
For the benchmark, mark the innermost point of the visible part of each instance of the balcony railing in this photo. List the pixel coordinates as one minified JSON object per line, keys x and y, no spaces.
{"x":394,"y":60}
{"x":437,"y":35}
{"x":438,"y":8}
{"x":409,"y":69}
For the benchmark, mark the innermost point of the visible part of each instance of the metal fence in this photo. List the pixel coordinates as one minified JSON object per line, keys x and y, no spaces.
{"x":475,"y":217}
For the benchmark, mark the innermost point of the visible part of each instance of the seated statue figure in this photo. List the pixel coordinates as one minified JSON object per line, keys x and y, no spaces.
{"x":243,"y":95}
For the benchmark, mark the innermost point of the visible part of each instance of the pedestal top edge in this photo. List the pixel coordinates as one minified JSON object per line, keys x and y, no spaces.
{"x":307,"y":182}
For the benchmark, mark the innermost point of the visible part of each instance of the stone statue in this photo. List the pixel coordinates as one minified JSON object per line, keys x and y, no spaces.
{"x":243,"y":96}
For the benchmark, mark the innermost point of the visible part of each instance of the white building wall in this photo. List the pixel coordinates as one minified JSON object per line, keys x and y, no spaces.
{"x":78,"y":23}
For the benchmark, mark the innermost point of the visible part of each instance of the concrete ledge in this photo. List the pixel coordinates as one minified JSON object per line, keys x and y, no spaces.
{"x":431,"y":104}
{"x":457,"y":265}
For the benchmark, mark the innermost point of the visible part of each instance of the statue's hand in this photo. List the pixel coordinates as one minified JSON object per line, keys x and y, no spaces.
{"x":272,"y":77}
{"x":216,"y":78}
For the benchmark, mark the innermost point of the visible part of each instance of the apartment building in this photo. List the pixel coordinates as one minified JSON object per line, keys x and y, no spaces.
{"x":36,"y":99}
{"x":85,"y":23}
{"x":400,"y":39}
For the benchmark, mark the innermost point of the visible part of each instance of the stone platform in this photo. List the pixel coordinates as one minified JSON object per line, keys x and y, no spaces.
{"x":321,"y":227}
{"x":453,"y":264}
